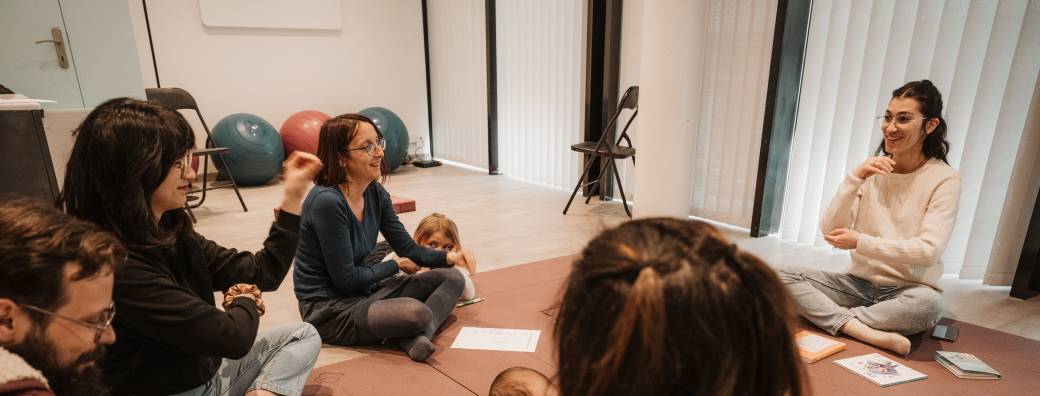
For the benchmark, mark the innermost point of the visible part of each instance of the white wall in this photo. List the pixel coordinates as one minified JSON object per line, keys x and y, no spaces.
{"x":375,"y":60}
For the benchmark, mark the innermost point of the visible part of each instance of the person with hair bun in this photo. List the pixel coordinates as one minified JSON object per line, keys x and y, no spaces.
{"x":671,"y":307}
{"x":894,"y":213}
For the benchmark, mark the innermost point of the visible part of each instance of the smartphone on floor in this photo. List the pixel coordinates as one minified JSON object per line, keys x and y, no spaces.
{"x":944,"y":332}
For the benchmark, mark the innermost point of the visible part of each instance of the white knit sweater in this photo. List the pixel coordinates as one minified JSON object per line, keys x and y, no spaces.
{"x":904,"y":222}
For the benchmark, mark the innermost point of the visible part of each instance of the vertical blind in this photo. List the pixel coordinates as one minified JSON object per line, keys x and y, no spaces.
{"x":458,"y":80}
{"x":540,"y":49}
{"x":735,"y":77}
{"x":983,"y":57}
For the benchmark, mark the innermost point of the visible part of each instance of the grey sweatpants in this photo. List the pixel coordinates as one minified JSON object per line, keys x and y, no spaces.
{"x":831,"y":299}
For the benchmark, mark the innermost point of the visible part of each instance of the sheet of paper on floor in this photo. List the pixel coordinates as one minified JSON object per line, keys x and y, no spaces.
{"x":510,"y":340}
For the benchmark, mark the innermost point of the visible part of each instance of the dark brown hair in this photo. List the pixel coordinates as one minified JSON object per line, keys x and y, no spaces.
{"x":36,"y":243}
{"x":123,"y":151}
{"x":930,"y":102}
{"x":670,"y":307}
{"x":334,"y":139}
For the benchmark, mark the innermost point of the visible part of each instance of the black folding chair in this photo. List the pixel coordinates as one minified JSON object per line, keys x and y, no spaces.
{"x":179,"y":99}
{"x":609,"y":151}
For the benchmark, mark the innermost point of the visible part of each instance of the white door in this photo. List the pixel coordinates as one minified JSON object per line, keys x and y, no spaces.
{"x":32,"y":69}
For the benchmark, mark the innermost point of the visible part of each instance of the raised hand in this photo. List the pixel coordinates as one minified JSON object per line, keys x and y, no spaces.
{"x":297,"y":174}
{"x":875,"y":166}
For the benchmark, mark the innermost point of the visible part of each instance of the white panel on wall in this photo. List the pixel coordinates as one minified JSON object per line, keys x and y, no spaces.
{"x":982,"y":55}
{"x":458,"y":80}
{"x":272,"y":14}
{"x":735,"y":77}
{"x":540,"y":67}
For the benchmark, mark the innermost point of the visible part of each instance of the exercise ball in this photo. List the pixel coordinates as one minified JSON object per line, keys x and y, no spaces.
{"x":394,"y":131}
{"x":255,"y":151}
{"x":300,"y":131}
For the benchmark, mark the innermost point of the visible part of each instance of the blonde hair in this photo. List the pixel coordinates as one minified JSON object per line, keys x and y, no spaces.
{"x":434,"y":223}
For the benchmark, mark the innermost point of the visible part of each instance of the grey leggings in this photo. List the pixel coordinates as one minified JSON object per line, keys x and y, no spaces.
{"x":831,"y":299}
{"x":416,"y":307}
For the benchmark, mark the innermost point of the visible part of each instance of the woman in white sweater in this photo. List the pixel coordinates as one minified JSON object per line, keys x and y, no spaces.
{"x":894,"y":213}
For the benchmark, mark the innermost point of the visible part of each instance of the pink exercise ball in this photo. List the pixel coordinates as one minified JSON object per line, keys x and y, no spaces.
{"x":300,"y":131}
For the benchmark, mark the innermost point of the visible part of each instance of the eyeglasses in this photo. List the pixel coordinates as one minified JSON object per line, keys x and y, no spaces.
{"x":183,"y":164}
{"x":100,"y":326}
{"x":902,"y":121}
{"x":370,"y":147}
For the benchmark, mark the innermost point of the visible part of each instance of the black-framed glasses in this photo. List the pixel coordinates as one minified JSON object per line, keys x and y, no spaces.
{"x":370,"y":147}
{"x":100,"y":326}
{"x":902,"y":121}
{"x":183,"y":164}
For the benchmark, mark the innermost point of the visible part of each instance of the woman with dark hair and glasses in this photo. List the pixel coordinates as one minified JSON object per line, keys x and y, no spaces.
{"x":130,"y":171}
{"x":351,"y":303}
{"x":895,"y":213}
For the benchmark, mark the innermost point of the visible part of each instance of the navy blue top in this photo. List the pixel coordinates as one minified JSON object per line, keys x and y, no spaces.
{"x":333,"y":244}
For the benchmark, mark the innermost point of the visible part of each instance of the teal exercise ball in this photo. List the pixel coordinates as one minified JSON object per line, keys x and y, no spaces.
{"x":394,"y":131}
{"x":255,"y":151}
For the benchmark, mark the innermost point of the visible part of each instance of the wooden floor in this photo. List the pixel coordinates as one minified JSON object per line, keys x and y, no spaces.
{"x":508,"y":222}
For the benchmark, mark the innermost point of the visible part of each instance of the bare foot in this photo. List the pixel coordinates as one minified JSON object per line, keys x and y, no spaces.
{"x":894,"y":342}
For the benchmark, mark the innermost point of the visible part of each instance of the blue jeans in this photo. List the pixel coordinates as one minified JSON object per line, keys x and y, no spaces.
{"x":280,"y":361}
{"x":831,"y":299}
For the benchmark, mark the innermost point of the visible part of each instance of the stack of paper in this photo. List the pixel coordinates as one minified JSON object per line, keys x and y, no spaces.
{"x":880,"y":370}
{"x":966,"y":365}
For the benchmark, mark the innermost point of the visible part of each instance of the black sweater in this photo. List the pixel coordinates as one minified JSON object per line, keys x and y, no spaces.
{"x":170,"y":335}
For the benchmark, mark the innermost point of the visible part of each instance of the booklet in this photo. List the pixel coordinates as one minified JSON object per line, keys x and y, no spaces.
{"x":881,"y":370}
{"x":966,"y":365}
{"x":813,"y":347}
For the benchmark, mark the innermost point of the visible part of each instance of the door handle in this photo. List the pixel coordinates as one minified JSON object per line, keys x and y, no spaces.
{"x":59,"y":47}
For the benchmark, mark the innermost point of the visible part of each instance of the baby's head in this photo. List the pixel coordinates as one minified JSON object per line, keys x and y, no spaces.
{"x":521,"y":381}
{"x":436,"y":231}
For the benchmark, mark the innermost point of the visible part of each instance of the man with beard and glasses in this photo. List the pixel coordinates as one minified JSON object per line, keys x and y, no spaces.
{"x":56,"y":276}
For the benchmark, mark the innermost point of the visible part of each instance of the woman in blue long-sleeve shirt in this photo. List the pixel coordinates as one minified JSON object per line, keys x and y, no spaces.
{"x":351,"y":303}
